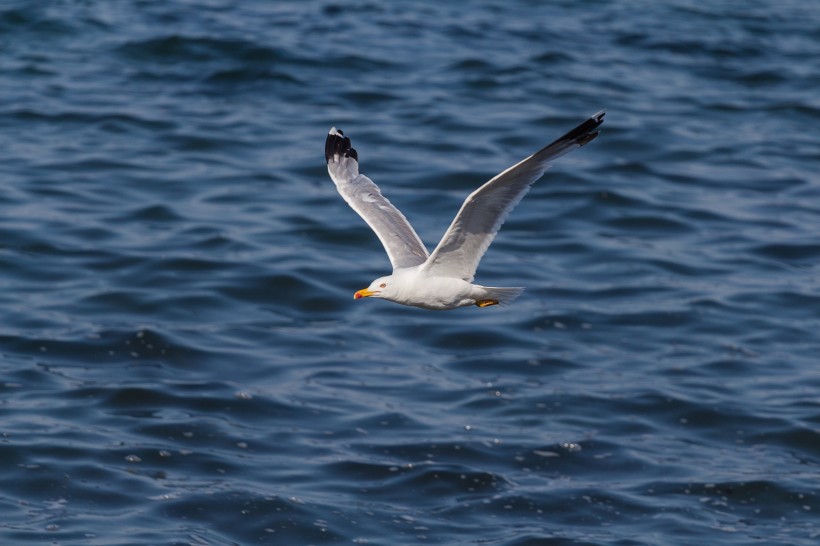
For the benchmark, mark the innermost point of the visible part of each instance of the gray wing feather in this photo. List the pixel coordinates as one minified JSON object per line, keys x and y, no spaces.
{"x":484,"y":210}
{"x":400,"y":241}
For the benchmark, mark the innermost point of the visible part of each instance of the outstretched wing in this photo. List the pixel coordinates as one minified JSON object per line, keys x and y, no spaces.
{"x":403,"y":246}
{"x":484,"y":210}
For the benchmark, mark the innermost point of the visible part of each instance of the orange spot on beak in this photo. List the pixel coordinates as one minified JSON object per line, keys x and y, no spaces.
{"x":363,"y":293}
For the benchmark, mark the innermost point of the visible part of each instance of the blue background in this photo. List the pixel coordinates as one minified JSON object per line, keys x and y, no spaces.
{"x":181,"y":359}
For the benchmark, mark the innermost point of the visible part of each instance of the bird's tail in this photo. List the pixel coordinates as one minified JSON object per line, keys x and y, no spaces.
{"x":499,"y":296}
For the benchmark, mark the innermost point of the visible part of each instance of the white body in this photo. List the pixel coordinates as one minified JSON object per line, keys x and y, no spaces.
{"x":414,"y":287}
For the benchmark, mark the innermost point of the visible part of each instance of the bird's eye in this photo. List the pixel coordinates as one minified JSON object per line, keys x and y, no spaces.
{"x":382,"y":285}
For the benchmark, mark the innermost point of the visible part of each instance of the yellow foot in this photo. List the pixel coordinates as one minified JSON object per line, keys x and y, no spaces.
{"x":486,"y":303}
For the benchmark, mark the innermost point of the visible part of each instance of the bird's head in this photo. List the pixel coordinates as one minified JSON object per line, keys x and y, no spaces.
{"x":382,"y":287}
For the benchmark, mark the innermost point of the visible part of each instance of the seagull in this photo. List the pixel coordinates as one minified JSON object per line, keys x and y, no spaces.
{"x":443,"y":279}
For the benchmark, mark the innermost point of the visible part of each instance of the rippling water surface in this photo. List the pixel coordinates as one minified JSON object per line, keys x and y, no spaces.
{"x":181,"y":359}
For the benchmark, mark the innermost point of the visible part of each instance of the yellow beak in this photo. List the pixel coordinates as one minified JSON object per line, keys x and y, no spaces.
{"x":363,"y":293}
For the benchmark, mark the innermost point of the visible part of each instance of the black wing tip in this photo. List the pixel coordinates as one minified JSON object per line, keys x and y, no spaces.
{"x":597,"y":119}
{"x":337,"y":144}
{"x":586,"y":132}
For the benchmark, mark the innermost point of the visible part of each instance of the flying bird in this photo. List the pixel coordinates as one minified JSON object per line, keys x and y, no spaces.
{"x":443,"y":279}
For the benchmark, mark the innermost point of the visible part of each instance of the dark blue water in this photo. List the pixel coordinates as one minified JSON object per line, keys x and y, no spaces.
{"x":181,"y":359}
